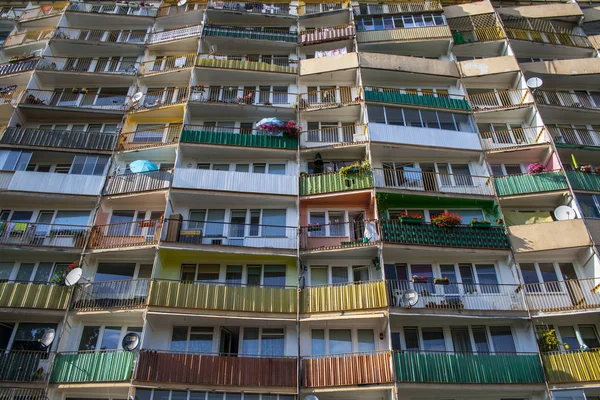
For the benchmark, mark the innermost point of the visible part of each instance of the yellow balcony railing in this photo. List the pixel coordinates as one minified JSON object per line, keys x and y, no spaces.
{"x":344,"y":297}
{"x":572,"y":366}
{"x":28,"y":36}
{"x":404,"y":34}
{"x":33,"y":295}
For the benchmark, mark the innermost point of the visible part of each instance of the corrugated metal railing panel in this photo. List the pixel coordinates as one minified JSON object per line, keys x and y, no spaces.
{"x":416,"y":100}
{"x":467,"y":368}
{"x":137,"y":182}
{"x":344,"y":297}
{"x":420,"y":33}
{"x":572,"y":366}
{"x":207,"y":369}
{"x":530,"y":183}
{"x":222,"y":297}
{"x":347,"y":370}
{"x":92,"y":366}
{"x":58,"y":138}
{"x":233,"y":139}
{"x":334,"y":182}
{"x":244,"y":65}
{"x":327,"y":34}
{"x":584,"y":180}
{"x":33,"y":295}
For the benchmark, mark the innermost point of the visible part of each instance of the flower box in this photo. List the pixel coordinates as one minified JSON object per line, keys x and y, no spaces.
{"x":411,"y":220}
{"x":480,"y":224}
{"x":441,"y":281}
{"x":146,"y":224}
{"x":419,"y":279}
{"x":314,"y":228}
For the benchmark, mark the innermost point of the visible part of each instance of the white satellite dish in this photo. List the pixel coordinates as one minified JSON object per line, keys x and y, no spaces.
{"x":47,"y":338}
{"x":563,"y":213}
{"x":311,"y":397}
{"x":534,"y":83}
{"x":137,"y":97}
{"x":410,"y":298}
{"x":73,"y":277}
{"x":181,"y":3}
{"x":131,"y":341}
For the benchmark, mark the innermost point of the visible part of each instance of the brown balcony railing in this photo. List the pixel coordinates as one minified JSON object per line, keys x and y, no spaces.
{"x":575,"y":136}
{"x":335,"y":135}
{"x":38,"y":234}
{"x":126,"y":234}
{"x":86,"y":100}
{"x":89,"y":64}
{"x":112,"y":294}
{"x":567,"y":295}
{"x":327,"y":34}
{"x":168,"y":63}
{"x":161,"y":98}
{"x":334,"y":97}
{"x":29,"y":36}
{"x":316,"y":8}
{"x":574,"y":366}
{"x":113,"y":9}
{"x":348,"y":369}
{"x":335,"y":236}
{"x":150,"y":137}
{"x":398,"y":7}
{"x":267,"y":8}
{"x":23,"y":366}
{"x":174,"y":9}
{"x":500,"y":100}
{"x":514,"y":137}
{"x":215,"y":369}
{"x":137,"y":182}
{"x":435,"y":182}
{"x":568,"y":99}
{"x":58,"y":138}
{"x":175,"y":34}
{"x":18,"y":66}
{"x":243,"y":96}
{"x":46,"y":10}
{"x":97,"y":35}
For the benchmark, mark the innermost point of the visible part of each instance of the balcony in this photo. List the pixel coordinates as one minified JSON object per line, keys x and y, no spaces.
{"x":33,"y":295}
{"x":48,"y":10}
{"x":135,"y":37}
{"x":427,"y":137}
{"x":330,"y":98}
{"x":88,"y":100}
{"x":341,"y":297}
{"x":248,"y":63}
{"x":23,"y":366}
{"x":337,"y":236}
{"x":223,"y":297}
{"x":455,"y":298}
{"x":327,"y":34}
{"x":16,"y":67}
{"x":190,"y":178}
{"x":576,"y":366}
{"x":570,"y":137}
{"x":403,"y":96}
{"x":493,"y":237}
{"x":92,"y":366}
{"x":434,"y":182}
{"x":168,"y":64}
{"x":334,"y":182}
{"x":398,"y":7}
{"x":210,"y":233}
{"x":512,"y":185}
{"x":88,"y":64}
{"x":175,"y":34}
{"x":157,"y":99}
{"x":243,"y":137}
{"x":317,"y":8}
{"x":51,"y":182}
{"x":405,"y":34}
{"x":58,"y":138}
{"x":28,"y":36}
{"x":478,"y":35}
{"x":10,"y":13}
{"x":124,"y":294}
{"x":254,"y":8}
{"x":228,"y":95}
{"x":567,"y":295}
{"x":502,"y":100}
{"x":253,"y":33}
{"x":567,"y":99}
{"x":149,"y":138}
{"x":335,"y":136}
{"x":513,"y":138}
{"x":216,"y":370}
{"x":137,"y":182}
{"x":553,"y":38}
{"x":126,"y":234}
{"x":169,"y":10}
{"x":43,"y":235}
{"x":113,"y":9}
{"x":588,"y":181}
{"x":549,"y":236}
{"x":460,"y":368}
{"x":350,"y":369}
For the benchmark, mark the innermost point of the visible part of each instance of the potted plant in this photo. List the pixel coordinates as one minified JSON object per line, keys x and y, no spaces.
{"x":447,"y":220}
{"x":419,"y":279}
{"x":146,"y":224}
{"x":356,"y":168}
{"x":586,"y":168}
{"x":597,"y":170}
{"x":535,"y":168}
{"x":475,"y":223}
{"x":198,"y":88}
{"x":59,"y":276}
{"x":547,"y":341}
{"x":410,"y":218}
{"x":314,"y":227}
{"x":376,"y":263}
{"x":441,"y":281}
{"x":291,"y":129}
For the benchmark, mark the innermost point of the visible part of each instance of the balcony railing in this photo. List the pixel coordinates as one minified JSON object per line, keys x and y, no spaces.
{"x":33,"y":295}
{"x":316,"y":8}
{"x":52,"y":182}
{"x":168,"y":63}
{"x":175,"y":34}
{"x":38,"y":234}
{"x":216,"y":370}
{"x":348,"y":369}
{"x":96,"y":35}
{"x":89,"y":64}
{"x":161,"y":98}
{"x":435,"y":182}
{"x":398,"y":7}
{"x":223,"y":296}
{"x":254,"y":7}
{"x":149,"y":137}
{"x":481,"y":368}
{"x":18,"y":66}
{"x":11,"y":98}
{"x":92,"y":366}
{"x":231,"y":234}
{"x":29,"y":36}
{"x":58,"y":138}
{"x":173,"y":9}
{"x":111,"y":294}
{"x":47,"y":10}
{"x":243,"y":96}
{"x":10,"y":13}
{"x":137,"y":182}
{"x":60,"y":98}
{"x":501,"y":100}
{"x":326,"y":34}
{"x":346,"y":296}
{"x":126,"y":234}
{"x":584,"y":180}
{"x":483,"y":34}
{"x":248,"y":63}
{"x":574,"y":136}
{"x":270,"y":34}
{"x":344,"y":134}
{"x":567,"y":99}
{"x":492,"y":237}
{"x":515,"y":137}
{"x":455,"y":297}
{"x":567,"y":295}
{"x":23,"y":366}
{"x":113,"y":9}
{"x":555,"y":38}
{"x":334,"y":182}
{"x":336,"y":236}
{"x":327,"y":98}
{"x":244,"y":137}
{"x":405,"y":34}
{"x":575,"y":366}
{"x":511,"y":185}
{"x":410,"y":97}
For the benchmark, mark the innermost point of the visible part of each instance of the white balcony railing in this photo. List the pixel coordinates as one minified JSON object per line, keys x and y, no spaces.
{"x":424,"y":136}
{"x":65,"y":98}
{"x":97,"y":35}
{"x":175,"y":34}
{"x":89,"y":64}
{"x":327,"y":136}
{"x":515,"y":137}
{"x":50,"y":182}
{"x":115,"y":9}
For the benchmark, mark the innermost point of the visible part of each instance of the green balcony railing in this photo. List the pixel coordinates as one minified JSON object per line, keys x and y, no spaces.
{"x":92,"y":366}
{"x":573,"y":366}
{"x":233,"y":137}
{"x":530,"y":183}
{"x":33,"y":295}
{"x":250,"y":33}
{"x":493,"y":237}
{"x":584,"y":180}
{"x":389,"y":95}
{"x":334,"y":182}
{"x":443,"y":367}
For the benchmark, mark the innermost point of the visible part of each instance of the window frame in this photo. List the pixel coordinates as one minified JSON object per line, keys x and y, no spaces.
{"x":353,"y":340}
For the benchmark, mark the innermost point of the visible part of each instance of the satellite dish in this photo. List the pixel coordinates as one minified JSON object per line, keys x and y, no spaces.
{"x":137,"y":97}
{"x":410,"y":298}
{"x":131,"y":341}
{"x":47,"y":338}
{"x":534,"y":83}
{"x":563,"y":213}
{"x":311,"y":397}
{"x":73,"y":277}
{"x":181,"y":3}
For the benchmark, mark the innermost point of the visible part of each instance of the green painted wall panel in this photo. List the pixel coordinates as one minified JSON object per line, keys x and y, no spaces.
{"x":584,"y":181}
{"x":416,"y":100}
{"x":334,"y":182}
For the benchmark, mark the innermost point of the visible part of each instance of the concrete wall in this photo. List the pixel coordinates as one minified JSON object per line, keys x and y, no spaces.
{"x":543,"y":11}
{"x":464,"y":10}
{"x":549,"y":236}
{"x":579,"y":66}
{"x":408,"y":64}
{"x":326,"y":64}
{"x":488,"y":66}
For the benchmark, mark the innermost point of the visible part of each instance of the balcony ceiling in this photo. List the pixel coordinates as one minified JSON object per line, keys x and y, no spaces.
{"x":162,"y":153}
{"x":383,"y":78}
{"x":512,"y":115}
{"x":387,"y":151}
{"x":549,"y":200}
{"x":51,"y":201}
{"x":220,"y":111}
{"x":229,"y":77}
{"x":177,"y":78}
{"x":163,"y":319}
{"x":20,"y":79}
{"x":75,"y":48}
{"x":82,"y":79}
{"x":355,"y":254}
{"x":480,"y":49}
{"x":180,"y":46}
{"x":587,"y":155}
{"x":568,"y":115}
{"x":535,"y":153}
{"x":228,"y":153}
{"x":156,"y":200}
{"x":183,"y":198}
{"x":349,"y":152}
{"x":528,"y":49}
{"x":251,"y":46}
{"x":108,"y":21}
{"x":336,"y":113}
{"x":424,"y":317}
{"x":374,"y":393}
{"x":330,"y":18}
{"x":498,"y":81}
{"x":345,"y":77}
{"x":566,"y":82}
{"x":426,"y":48}
{"x":243,"y":18}
{"x":50,"y":114}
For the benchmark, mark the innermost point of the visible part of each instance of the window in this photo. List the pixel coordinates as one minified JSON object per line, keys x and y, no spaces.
{"x":433,"y":339}
{"x":420,"y":118}
{"x":263,"y":341}
{"x":274,"y":223}
{"x":502,"y":339}
{"x":535,"y":273}
{"x":590,"y":205}
{"x":411,"y":337}
{"x":89,"y":165}
{"x":340,"y":341}
{"x":15,"y":160}
{"x":28,"y":336}
{"x":192,"y":339}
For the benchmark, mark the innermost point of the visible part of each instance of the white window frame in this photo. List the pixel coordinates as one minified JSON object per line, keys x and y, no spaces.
{"x":260,"y":336}
{"x":353,"y":338}
{"x":329,"y":267}
{"x":124,"y":329}
{"x":215,"y":336}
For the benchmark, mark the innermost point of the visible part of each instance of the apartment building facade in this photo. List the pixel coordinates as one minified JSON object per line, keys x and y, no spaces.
{"x":343,"y":200}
